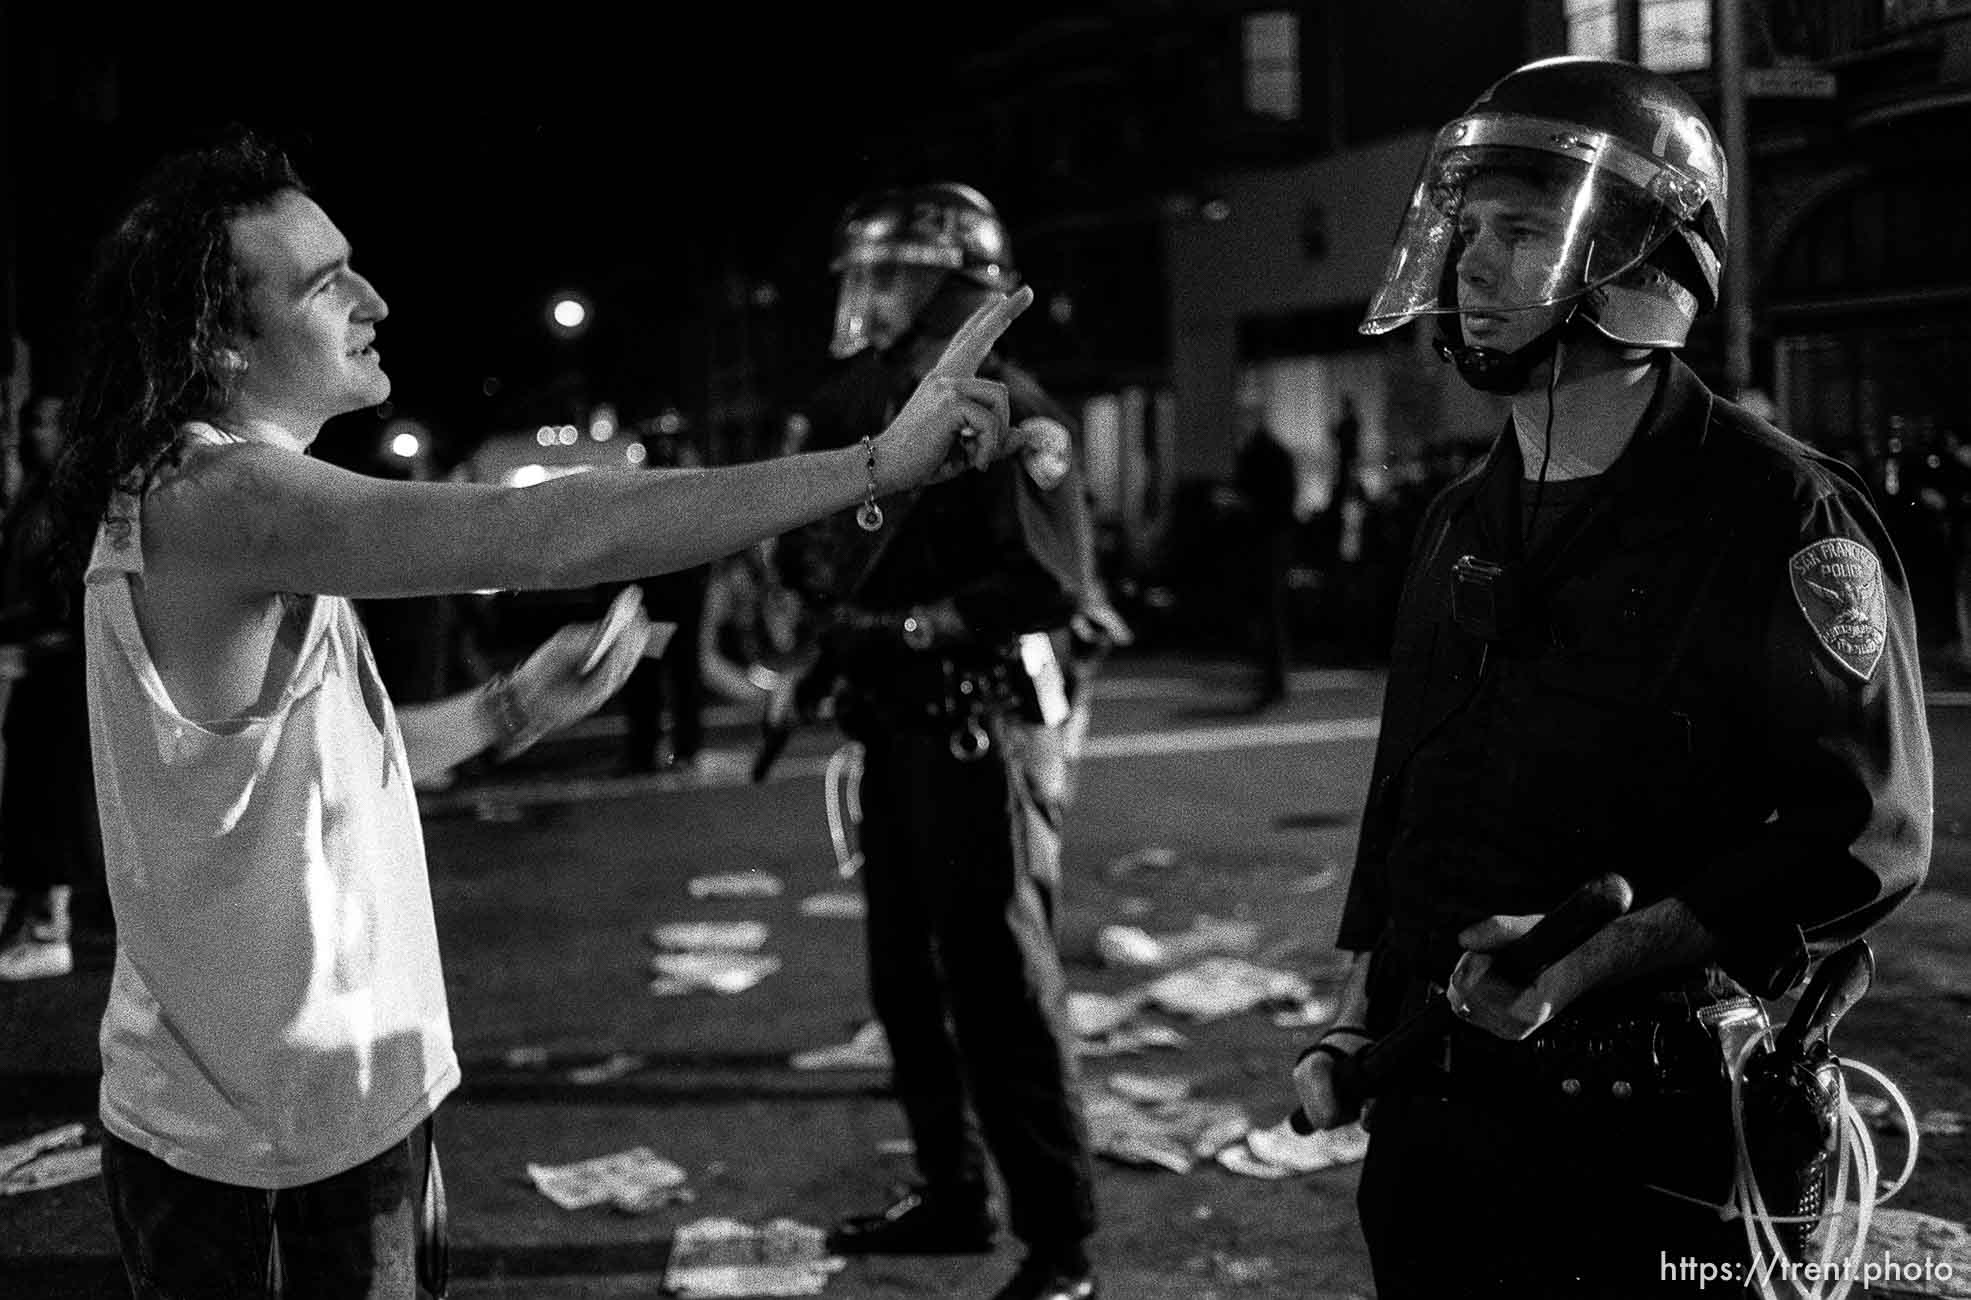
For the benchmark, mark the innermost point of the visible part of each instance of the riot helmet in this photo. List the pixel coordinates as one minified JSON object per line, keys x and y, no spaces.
{"x":1579,"y":189}
{"x":916,"y":259}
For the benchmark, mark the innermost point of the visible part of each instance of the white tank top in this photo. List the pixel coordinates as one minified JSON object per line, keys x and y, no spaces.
{"x":277,"y":1013}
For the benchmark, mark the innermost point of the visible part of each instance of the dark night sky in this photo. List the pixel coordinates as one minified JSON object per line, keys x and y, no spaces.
{"x":480,"y":167}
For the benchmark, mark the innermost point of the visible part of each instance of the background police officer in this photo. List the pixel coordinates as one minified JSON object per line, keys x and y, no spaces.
{"x":945,"y":638}
{"x":1646,"y":633}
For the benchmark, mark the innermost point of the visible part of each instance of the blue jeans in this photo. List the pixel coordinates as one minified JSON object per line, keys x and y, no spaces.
{"x":354,"y":1234}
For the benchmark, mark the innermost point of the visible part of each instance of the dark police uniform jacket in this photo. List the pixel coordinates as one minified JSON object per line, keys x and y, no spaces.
{"x":1002,"y":548}
{"x":1705,"y":677}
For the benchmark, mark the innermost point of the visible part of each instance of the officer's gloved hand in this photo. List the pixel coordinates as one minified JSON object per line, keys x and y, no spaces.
{"x":1321,"y":1107}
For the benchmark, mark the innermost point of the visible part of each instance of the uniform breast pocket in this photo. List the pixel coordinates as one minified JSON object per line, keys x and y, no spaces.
{"x":1615,"y":774}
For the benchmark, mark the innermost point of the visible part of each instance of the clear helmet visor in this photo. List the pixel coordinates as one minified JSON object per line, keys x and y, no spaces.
{"x":876,"y":302}
{"x":1546,"y":212}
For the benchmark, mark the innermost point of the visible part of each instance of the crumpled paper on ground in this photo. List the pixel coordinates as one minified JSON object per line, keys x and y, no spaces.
{"x":726,"y":1258}
{"x":1928,"y":1255}
{"x":1130,"y":947}
{"x":618,"y":1065}
{"x":48,"y":1159}
{"x":1217,"y":987}
{"x":1173,"y":1132}
{"x":717,"y":972}
{"x":1279,"y":1152}
{"x":1150,"y":858}
{"x":1107,"y":1025}
{"x":867,"y":1049}
{"x":736,"y":884}
{"x":835,"y":905}
{"x":633,"y":1180}
{"x":710,"y":936}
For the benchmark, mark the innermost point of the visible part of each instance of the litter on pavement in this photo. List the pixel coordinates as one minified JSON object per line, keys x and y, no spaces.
{"x":1092,"y":1015}
{"x":1151,"y":858}
{"x":1314,"y":1011}
{"x":630,"y":1180}
{"x":1130,"y":947}
{"x":835,"y":905}
{"x":48,"y":1159}
{"x":867,"y":1049}
{"x":618,"y":1065}
{"x":736,"y":884}
{"x":1171,"y":1134}
{"x":716,"y":972}
{"x":1279,"y":1152}
{"x":1920,"y":1254}
{"x":1134,"y":1037}
{"x":1224,"y":986}
{"x":726,"y":1258}
{"x":722,"y":936}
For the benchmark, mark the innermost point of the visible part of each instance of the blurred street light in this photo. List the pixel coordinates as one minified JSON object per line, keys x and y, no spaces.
{"x":570,"y":314}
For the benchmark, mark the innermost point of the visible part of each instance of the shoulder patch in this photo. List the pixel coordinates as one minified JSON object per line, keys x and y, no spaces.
{"x":1838,"y":585}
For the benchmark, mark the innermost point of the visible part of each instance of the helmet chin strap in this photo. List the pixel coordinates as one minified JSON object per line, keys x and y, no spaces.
{"x":1488,"y":369}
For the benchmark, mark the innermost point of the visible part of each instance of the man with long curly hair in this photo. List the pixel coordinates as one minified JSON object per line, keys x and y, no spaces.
{"x":277,"y":1039}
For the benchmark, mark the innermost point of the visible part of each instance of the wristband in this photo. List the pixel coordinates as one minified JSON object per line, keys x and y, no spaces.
{"x":870,"y":517}
{"x":508,"y":714}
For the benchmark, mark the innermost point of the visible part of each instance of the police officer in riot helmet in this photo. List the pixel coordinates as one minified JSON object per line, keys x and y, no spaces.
{"x":946,"y":652}
{"x":1647,"y":633}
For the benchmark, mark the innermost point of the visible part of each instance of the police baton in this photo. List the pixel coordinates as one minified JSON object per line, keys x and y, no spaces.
{"x":1559,"y":932}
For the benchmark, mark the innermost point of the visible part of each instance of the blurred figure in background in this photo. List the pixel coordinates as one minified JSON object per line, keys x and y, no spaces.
{"x":1269,"y":482}
{"x":49,"y":840}
{"x":668,"y":693}
{"x":942,"y":642}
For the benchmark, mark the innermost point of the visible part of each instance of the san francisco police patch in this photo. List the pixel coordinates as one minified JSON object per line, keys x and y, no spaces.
{"x":1838,"y":583}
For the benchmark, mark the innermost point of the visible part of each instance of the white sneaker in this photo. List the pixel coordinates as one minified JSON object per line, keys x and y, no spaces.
{"x":29,"y":956}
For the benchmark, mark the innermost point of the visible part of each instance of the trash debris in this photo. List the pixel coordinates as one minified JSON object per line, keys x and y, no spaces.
{"x":1314,"y":1011}
{"x":896,"y":1147}
{"x":722,"y":936}
{"x":526,"y":1058}
{"x":1279,"y":1152}
{"x":717,"y":972}
{"x":835,"y":905}
{"x":1925,"y":1255}
{"x":867,"y":1049}
{"x":1171,"y":1134}
{"x":1150,"y":1089}
{"x":617,"y":1066}
{"x":1317,"y":882}
{"x":1132,"y":1038}
{"x":736,"y":884}
{"x":726,"y":1258}
{"x":627,"y":1179}
{"x":1241,"y":1270}
{"x":1223,"y":986}
{"x":1129,"y":947}
{"x":1144,"y":859}
{"x":1091,"y":1015}
{"x":47,"y":1160}
{"x":1884,"y":1118}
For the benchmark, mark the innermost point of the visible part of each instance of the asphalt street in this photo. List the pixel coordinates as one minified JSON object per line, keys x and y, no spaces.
{"x":549,"y":875}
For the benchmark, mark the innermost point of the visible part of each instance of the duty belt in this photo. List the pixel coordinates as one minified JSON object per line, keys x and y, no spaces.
{"x":1657,"y":1048}
{"x":940,"y":696}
